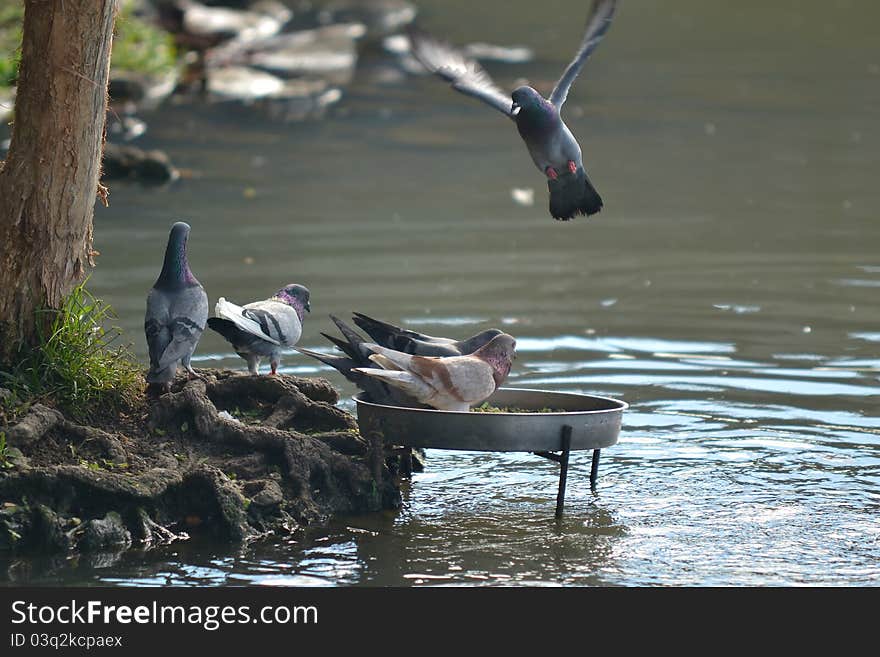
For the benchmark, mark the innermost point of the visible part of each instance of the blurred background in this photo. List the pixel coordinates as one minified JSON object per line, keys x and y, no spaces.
{"x":728,"y":290}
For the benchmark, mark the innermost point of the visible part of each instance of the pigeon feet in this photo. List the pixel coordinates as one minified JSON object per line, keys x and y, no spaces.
{"x":551,"y":173}
{"x":572,"y":166}
{"x":192,"y":374}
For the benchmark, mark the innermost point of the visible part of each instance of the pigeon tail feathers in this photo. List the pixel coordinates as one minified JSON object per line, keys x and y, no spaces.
{"x":229,"y":330}
{"x":572,"y":194}
{"x":411,"y":385}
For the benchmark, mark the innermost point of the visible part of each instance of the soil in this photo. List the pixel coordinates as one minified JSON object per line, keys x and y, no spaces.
{"x":229,"y":455}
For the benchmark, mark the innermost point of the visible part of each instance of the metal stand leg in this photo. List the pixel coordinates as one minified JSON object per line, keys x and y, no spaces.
{"x":562,"y":460}
{"x":563,"y":470}
{"x":594,"y":469}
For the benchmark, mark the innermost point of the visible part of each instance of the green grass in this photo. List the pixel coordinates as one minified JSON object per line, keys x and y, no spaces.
{"x":5,"y":461}
{"x":79,"y":368}
{"x":11,"y":15}
{"x":137,"y":45}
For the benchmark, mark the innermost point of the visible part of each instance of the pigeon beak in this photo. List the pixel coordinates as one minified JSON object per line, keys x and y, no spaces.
{"x":308,"y":307}
{"x":514,"y":109}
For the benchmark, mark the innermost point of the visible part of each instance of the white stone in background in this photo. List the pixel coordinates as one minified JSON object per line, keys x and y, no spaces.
{"x":329,"y":52}
{"x":242,"y":83}
{"x":243,"y":25}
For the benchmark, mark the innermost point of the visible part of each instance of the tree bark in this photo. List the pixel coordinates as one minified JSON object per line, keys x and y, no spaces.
{"x":50,"y":177}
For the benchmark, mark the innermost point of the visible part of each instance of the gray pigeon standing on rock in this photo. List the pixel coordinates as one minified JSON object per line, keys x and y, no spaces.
{"x":451,"y":384}
{"x":419,"y":344}
{"x":553,"y":148}
{"x":263,"y":328}
{"x":177,"y":308}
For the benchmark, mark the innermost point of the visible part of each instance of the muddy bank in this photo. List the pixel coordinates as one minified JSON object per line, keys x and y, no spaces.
{"x":229,"y":456}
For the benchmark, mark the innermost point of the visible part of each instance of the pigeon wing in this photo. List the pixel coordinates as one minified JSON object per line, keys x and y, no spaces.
{"x":243,"y":319}
{"x":464,"y":73}
{"x":464,"y":378}
{"x":189,"y":313}
{"x":597,"y":25}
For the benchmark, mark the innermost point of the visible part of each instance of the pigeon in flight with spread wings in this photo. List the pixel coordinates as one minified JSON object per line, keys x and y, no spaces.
{"x":551,"y":144}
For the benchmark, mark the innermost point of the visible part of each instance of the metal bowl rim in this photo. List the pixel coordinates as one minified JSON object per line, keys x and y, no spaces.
{"x":620,"y":405}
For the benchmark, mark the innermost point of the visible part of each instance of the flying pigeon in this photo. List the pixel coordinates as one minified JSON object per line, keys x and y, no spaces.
{"x":454,"y":383}
{"x":419,"y":344}
{"x":553,"y":148}
{"x":177,"y":308}
{"x":357,"y":355}
{"x":263,"y":328}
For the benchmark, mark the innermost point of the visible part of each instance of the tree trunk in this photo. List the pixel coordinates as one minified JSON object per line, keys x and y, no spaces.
{"x":49,"y":180}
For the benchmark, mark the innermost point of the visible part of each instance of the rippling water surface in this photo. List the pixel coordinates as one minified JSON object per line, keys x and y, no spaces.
{"x":728,"y":292}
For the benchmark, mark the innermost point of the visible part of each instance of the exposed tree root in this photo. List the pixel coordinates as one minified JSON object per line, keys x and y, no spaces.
{"x":229,"y":455}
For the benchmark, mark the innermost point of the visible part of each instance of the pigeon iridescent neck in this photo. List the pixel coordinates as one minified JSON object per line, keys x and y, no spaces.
{"x":175,"y":269}
{"x":295,"y":296}
{"x":499,"y":353}
{"x":536,"y":115}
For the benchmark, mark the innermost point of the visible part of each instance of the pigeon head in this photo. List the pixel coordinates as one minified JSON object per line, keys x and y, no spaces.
{"x":531,"y":110}
{"x":526,"y":100}
{"x":499,"y":352}
{"x":296,"y":296}
{"x":175,"y":269}
{"x":470,"y":345}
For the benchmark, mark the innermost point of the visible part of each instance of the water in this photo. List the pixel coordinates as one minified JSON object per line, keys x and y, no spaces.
{"x":728,"y":292}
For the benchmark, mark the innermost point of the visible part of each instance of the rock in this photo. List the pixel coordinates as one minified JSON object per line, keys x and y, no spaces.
{"x":242,"y":83}
{"x":126,"y":161}
{"x":270,"y":496}
{"x":240,"y":24}
{"x":328,"y":53}
{"x":302,"y":99}
{"x":16,"y":458}
{"x":155,"y":166}
{"x":381,"y":17}
{"x":108,"y":533}
{"x":141,"y":90}
{"x":46,"y":532}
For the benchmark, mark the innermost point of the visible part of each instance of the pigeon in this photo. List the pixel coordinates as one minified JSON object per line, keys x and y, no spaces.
{"x":177,"y":308}
{"x":263,"y":328}
{"x":357,"y":355}
{"x":454,"y":383}
{"x":553,"y":148}
{"x":419,"y":344}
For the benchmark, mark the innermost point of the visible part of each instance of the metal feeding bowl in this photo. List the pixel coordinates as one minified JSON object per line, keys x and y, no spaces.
{"x":575,"y":422}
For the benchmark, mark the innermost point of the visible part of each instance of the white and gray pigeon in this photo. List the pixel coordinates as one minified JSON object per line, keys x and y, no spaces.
{"x":177,"y":308}
{"x":262,"y":329}
{"x":419,"y":344}
{"x":454,"y":383}
{"x":553,"y":148}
